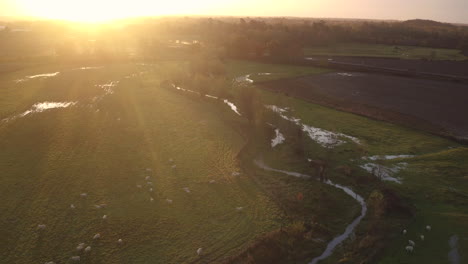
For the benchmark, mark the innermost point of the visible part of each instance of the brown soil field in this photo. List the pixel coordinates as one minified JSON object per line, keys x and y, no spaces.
{"x":455,"y":68}
{"x":435,"y":106}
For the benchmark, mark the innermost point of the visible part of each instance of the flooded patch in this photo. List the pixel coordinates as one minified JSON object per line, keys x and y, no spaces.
{"x":43,"y":75}
{"x":41,"y":107}
{"x":387,"y":157}
{"x":279,"y":138}
{"x":107,"y":87}
{"x":383,"y":172}
{"x":323,"y":137}
{"x":233,"y":106}
{"x":454,"y":255}
{"x":89,"y":68}
{"x":244,"y":79}
{"x":349,"y":229}
{"x":211,"y":96}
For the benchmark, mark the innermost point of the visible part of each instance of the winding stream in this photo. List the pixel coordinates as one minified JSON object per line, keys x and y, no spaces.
{"x":349,"y":229}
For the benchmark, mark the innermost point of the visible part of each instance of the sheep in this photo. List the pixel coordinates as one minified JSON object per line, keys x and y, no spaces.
{"x":41,"y":227}
{"x":84,"y":195}
{"x":409,"y":248}
{"x":96,"y":236}
{"x":411,"y":242}
{"x":174,"y":166}
{"x":150,"y":183}
{"x":147,"y":177}
{"x":151,"y":189}
{"x":422,"y":237}
{"x":199,"y":251}
{"x":404,"y":231}
{"x":87,"y":249}
{"x":148,"y":169}
{"x":103,"y":205}
{"x":212,"y":181}
{"x":72,"y":206}
{"x":120,"y":241}
{"x":138,"y":186}
{"x":428,"y":228}
{"x":104,"y":217}
{"x":235,"y":173}
{"x":75,"y":258}
{"x":169,"y":201}
{"x":186,"y":189}
{"x":240,"y":208}
{"x":97,"y":206}
{"x":80,"y":246}
{"x":151,"y":199}
{"x":171,"y":160}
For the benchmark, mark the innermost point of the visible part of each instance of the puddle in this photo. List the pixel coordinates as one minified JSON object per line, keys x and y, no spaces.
{"x":211,"y":96}
{"x":454,"y":255}
{"x":233,"y":106}
{"x":107,"y":87}
{"x":349,"y":229}
{"x":244,"y":79}
{"x":383,"y":172}
{"x":89,"y":68}
{"x":44,"y":75}
{"x":278,"y":139}
{"x":387,"y":157}
{"x":323,"y":137}
{"x":41,"y":107}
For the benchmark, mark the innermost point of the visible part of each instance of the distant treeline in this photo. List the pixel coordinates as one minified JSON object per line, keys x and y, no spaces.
{"x":162,"y":38}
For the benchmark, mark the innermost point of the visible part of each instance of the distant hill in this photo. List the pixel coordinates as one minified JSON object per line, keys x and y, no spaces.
{"x":427,"y":23}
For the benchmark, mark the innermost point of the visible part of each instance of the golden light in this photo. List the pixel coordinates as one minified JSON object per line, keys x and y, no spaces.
{"x":104,"y":10}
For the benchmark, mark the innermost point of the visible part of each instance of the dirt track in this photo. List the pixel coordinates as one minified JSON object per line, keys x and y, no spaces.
{"x":435,"y":106}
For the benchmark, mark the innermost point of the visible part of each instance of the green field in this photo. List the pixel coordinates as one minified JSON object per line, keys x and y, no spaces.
{"x":109,"y":141}
{"x":388,"y":51}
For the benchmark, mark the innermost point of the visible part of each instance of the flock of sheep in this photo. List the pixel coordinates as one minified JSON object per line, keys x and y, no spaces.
{"x":149,"y":184}
{"x":412,"y":244}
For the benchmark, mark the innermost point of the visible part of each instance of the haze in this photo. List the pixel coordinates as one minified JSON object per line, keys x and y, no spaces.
{"x":453,"y":11}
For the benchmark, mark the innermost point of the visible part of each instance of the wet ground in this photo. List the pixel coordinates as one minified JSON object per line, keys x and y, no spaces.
{"x":436,"y":106}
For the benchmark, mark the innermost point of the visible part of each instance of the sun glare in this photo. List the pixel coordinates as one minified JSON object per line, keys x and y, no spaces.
{"x":105,"y":10}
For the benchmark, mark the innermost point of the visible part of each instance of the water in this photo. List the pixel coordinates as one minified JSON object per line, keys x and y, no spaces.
{"x":383,"y":172}
{"x":387,"y":157}
{"x":349,"y":229}
{"x":279,"y":138}
{"x":324,"y":137}
{"x":233,"y":106}
{"x":43,"y":75}
{"x":41,"y":107}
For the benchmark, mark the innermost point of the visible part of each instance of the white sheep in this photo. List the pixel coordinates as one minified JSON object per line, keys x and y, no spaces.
{"x":174,"y":166}
{"x":87,"y":249}
{"x":212,"y":181}
{"x":428,"y":228}
{"x":422,"y":237}
{"x":404,"y":231}
{"x":235,"y":173}
{"x":104,"y":217}
{"x":171,"y":160}
{"x":151,"y":199}
{"x":120,"y":241}
{"x":41,"y":227}
{"x":97,"y":206}
{"x":138,"y":186}
{"x":186,"y":189}
{"x":240,"y":208}
{"x":147,"y":177}
{"x":148,"y":169}
{"x":411,"y":242}
{"x":84,"y":195}
{"x":75,"y":258}
{"x":103,"y":205}
{"x":96,"y":236}
{"x":169,"y":201}
{"x":199,"y":251}
{"x":150,"y":183}
{"x":409,"y":248}
{"x":72,"y":206}
{"x":150,"y":189}
{"x":80,"y":246}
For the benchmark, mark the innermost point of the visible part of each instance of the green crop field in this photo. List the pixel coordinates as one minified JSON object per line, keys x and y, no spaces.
{"x":173,"y":171}
{"x":376,"y":50}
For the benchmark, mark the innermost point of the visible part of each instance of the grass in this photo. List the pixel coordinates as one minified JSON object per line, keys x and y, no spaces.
{"x":278,"y":71}
{"x":387,"y":51}
{"x":49,"y":158}
{"x":103,"y":146}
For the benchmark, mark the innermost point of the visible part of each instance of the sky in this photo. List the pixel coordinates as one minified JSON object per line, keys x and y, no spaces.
{"x":455,"y":11}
